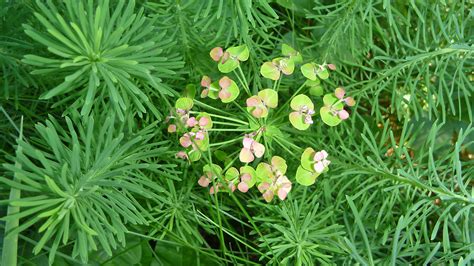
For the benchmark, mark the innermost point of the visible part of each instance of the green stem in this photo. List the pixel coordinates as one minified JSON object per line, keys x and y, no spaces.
{"x":243,"y":80}
{"x":225,"y":118}
{"x":224,"y":142}
{"x":10,"y":242}
{"x":226,"y":123}
{"x":289,"y":100}
{"x":228,"y":130}
{"x":211,"y":107}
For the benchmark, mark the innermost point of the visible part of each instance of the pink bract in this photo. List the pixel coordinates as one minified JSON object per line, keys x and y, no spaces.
{"x":343,"y":114}
{"x":204,"y":181}
{"x":203,"y":121}
{"x":191,"y":122}
{"x":243,"y":187}
{"x":216,"y":53}
{"x":225,"y":82}
{"x":172,"y":128}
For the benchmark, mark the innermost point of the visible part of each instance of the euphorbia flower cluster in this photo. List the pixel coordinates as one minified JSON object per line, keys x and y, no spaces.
{"x":313,"y":163}
{"x":258,"y":105}
{"x":274,"y":180}
{"x":250,"y":148}
{"x":266,"y":126}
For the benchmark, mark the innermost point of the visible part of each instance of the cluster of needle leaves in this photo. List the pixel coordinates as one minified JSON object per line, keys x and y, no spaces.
{"x":237,"y":132}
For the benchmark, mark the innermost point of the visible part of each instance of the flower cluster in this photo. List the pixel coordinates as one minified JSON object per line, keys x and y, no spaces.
{"x":259,"y":117}
{"x":333,"y":112}
{"x":251,"y":148}
{"x":313,"y":163}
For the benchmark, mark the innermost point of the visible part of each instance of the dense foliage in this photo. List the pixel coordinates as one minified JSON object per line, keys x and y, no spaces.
{"x":191,"y":132}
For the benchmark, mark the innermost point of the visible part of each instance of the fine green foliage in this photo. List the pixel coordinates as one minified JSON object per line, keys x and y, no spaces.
{"x":236,"y":132}
{"x":102,"y":52}
{"x":80,"y":184}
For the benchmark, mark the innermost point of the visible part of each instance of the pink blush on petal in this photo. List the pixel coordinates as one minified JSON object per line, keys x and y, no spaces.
{"x":225,"y":82}
{"x":258,"y":149}
{"x":319,"y":167}
{"x":204,"y":93}
{"x":243,"y":187}
{"x":185,"y":141}
{"x":199,"y":135}
{"x":204,"y":121}
{"x":191,"y":122}
{"x":268,"y":196}
{"x":246,"y":177}
{"x":247,"y":142}
{"x":253,"y":101}
{"x":224,"y":94}
{"x":258,"y":112}
{"x":171,"y":128}
{"x":216,"y":53}
{"x":343,"y":114}
{"x":206,"y":81}
{"x":282,"y":194}
{"x":246,"y":156}
{"x":204,"y":181}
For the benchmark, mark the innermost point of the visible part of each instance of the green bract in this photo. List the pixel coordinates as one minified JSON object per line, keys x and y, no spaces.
{"x":301,"y":100}
{"x":315,"y":87}
{"x":312,"y":71}
{"x":294,"y":55}
{"x":307,"y":159}
{"x":249,"y":170}
{"x":303,"y":110}
{"x":331,"y":104}
{"x":184,"y":103}
{"x":269,"y":97}
{"x":236,"y":54}
{"x":305,"y":177}
{"x":278,"y":65}
{"x":234,"y":91}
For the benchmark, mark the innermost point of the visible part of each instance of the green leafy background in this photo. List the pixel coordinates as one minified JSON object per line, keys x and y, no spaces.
{"x":400,"y":187}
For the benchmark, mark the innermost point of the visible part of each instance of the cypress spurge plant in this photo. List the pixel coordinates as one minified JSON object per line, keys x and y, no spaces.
{"x":80,"y":184}
{"x":102,"y":51}
{"x":256,"y":124}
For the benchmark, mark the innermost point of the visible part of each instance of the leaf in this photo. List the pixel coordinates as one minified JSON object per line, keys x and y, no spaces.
{"x":249,"y":170}
{"x":241,"y":52}
{"x":316,"y":90}
{"x":264,"y":173}
{"x":269,"y":97}
{"x":270,"y":70}
{"x":228,"y":66}
{"x":328,"y":118}
{"x":214,"y":90}
{"x":307,"y":159}
{"x":212,"y":168}
{"x":323,"y":73}
{"x":231,"y":174}
{"x":280,"y":164}
{"x":304,"y":177}
{"x":301,"y":100}
{"x":184,"y":103}
{"x":309,"y":71}
{"x":287,"y":66}
{"x":234,"y":91}
{"x":297,"y":120}
{"x":330,"y":100}
{"x":206,"y":115}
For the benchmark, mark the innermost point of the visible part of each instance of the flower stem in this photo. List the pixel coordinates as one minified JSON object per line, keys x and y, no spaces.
{"x":243,"y":80}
